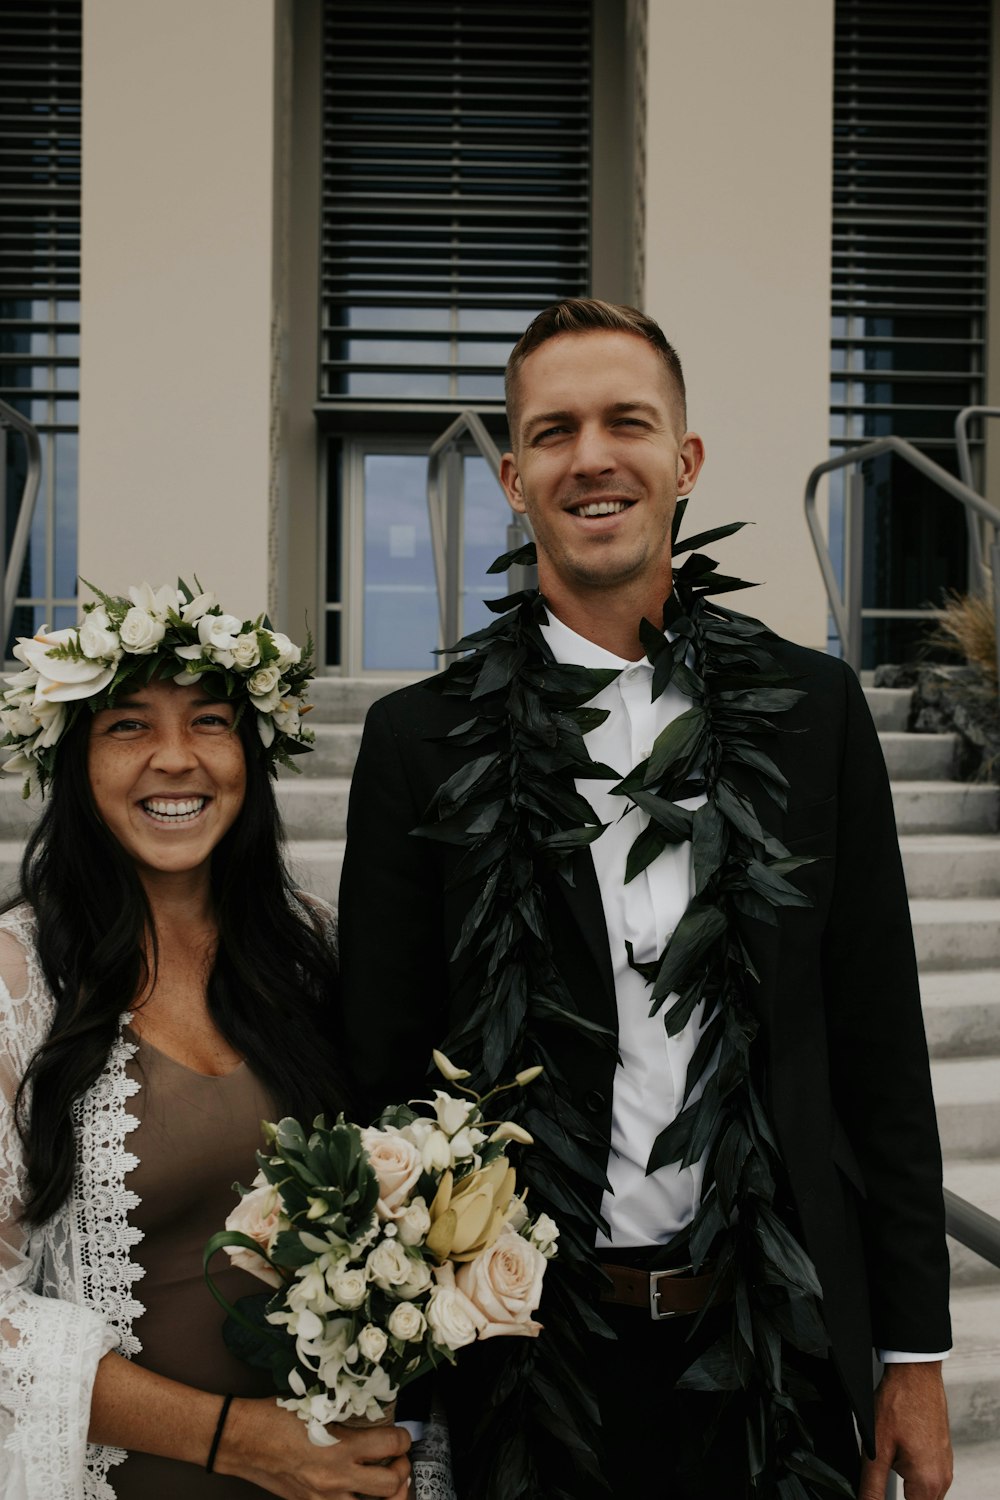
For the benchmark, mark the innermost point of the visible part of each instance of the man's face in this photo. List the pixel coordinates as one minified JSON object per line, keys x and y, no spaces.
{"x":600,"y":459}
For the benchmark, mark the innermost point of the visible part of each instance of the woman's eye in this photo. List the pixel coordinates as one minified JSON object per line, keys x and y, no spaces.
{"x":214,"y":721}
{"x":125,"y":726}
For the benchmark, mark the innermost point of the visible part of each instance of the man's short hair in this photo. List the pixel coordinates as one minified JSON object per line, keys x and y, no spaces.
{"x":590,"y":315}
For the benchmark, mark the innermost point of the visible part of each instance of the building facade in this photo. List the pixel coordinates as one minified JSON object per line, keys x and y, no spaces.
{"x":308,"y":231}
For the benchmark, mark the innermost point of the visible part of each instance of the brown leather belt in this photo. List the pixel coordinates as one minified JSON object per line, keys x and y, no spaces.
{"x":663,"y":1294}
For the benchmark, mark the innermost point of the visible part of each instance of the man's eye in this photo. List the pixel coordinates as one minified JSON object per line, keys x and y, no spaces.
{"x":548,"y":432}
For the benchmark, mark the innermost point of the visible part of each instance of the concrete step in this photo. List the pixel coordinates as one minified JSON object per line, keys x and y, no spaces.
{"x":346,"y":700}
{"x":957,"y":934}
{"x":945,"y":807}
{"x":890,"y":707}
{"x":334,"y":754}
{"x":962,"y":1012}
{"x":315,"y":865}
{"x":972,"y":1373}
{"x":918,"y":757}
{"x":951,"y":864}
{"x":314,"y":807}
{"x":977,"y":1471}
{"x":977,"y":1182}
{"x":967,"y":1096}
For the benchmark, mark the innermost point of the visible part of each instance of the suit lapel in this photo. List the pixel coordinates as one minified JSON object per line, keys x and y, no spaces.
{"x":582,"y":899}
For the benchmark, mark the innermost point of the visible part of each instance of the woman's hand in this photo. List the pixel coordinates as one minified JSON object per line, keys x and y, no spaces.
{"x":269,"y":1446}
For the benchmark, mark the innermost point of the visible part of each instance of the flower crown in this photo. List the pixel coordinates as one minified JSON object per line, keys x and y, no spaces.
{"x":171,"y":632}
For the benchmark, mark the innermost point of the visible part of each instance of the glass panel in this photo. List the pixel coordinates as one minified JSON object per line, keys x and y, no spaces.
{"x":486,"y":518}
{"x":35,"y":566}
{"x":66,"y":445}
{"x":400,"y":592}
{"x":482,"y":387}
{"x":432,"y":319}
{"x":395,"y":385}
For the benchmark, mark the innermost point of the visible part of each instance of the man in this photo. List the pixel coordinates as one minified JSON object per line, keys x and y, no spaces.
{"x":810,"y":975}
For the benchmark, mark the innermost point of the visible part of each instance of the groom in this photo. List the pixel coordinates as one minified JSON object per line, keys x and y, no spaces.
{"x":813,"y":974}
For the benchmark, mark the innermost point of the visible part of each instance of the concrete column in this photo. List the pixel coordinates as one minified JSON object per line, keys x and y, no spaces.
{"x":178,"y":347}
{"x":737,"y":256}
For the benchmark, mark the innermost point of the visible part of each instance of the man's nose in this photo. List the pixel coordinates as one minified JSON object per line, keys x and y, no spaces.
{"x":593,"y":451}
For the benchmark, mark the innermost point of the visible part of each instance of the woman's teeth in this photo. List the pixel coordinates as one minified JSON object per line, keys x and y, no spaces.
{"x":174,"y":812}
{"x":602,"y":508}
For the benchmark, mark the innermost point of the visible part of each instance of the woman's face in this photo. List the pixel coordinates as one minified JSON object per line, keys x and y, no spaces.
{"x":168,"y":774}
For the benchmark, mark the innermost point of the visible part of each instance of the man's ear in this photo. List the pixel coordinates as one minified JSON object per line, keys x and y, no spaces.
{"x":511,"y":481}
{"x":690,"y":457}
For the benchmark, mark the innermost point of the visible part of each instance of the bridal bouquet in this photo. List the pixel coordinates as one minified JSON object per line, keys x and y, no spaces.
{"x":388,"y":1249}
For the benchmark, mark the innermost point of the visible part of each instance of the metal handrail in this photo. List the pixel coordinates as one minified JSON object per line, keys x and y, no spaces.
{"x":846,"y":613}
{"x":10,"y":576}
{"x":445,"y":512}
{"x":965,"y":471}
{"x":972,"y":1227}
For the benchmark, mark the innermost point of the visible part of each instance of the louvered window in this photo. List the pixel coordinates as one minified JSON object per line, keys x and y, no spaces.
{"x":911,"y":132}
{"x":40,"y":76}
{"x":456,"y":191}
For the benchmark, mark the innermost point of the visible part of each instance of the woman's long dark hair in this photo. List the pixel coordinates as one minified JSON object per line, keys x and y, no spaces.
{"x":272,"y":990}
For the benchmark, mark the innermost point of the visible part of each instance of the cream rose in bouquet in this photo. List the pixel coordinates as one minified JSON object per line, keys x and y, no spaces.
{"x":387,"y":1249}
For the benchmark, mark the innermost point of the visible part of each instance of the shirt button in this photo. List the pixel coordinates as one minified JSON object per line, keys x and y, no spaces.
{"x":594,"y":1101}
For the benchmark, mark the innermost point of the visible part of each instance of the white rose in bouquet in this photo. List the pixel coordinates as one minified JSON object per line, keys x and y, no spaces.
{"x":388,"y":1265}
{"x":504,"y":1284}
{"x":544,"y":1235}
{"x":372,"y":1343}
{"x":348,"y":1286}
{"x":413,"y":1223}
{"x":407,"y":1322}
{"x":397,"y":1165}
{"x":453,"y":1320}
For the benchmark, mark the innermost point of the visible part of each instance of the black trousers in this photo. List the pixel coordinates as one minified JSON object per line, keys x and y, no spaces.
{"x":667,"y":1444}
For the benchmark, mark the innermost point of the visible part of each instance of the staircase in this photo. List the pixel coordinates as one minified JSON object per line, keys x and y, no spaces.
{"x":951,"y":853}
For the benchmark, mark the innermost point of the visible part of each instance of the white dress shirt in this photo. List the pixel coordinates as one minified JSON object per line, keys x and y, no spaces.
{"x":649,"y":1080}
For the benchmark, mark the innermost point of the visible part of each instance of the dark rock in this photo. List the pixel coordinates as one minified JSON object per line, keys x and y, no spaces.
{"x":958,"y":700}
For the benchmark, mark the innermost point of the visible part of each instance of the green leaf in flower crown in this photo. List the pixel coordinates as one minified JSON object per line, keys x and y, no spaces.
{"x":524,"y":556}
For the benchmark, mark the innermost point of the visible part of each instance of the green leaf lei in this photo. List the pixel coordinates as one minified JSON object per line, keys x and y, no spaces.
{"x":515,"y":809}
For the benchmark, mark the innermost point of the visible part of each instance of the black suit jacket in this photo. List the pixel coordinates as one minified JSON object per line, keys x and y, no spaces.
{"x":846,"y":1061}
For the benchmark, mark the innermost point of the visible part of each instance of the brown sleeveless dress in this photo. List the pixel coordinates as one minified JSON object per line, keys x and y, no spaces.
{"x":196,"y":1136}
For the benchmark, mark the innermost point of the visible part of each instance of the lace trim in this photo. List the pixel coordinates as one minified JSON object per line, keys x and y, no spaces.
{"x":431,"y":1459}
{"x":105,"y":1239}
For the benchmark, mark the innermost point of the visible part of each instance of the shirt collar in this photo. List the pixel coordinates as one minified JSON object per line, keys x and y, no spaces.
{"x":570,"y":649}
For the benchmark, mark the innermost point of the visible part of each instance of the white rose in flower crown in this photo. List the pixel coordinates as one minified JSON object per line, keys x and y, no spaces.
{"x":397,"y":1165}
{"x":246,"y":651}
{"x":141,"y":632}
{"x":217,"y":634}
{"x":258,"y":1215}
{"x":388,"y":1265}
{"x":453,"y":1320}
{"x":289,"y":655}
{"x":372,"y":1343}
{"x":504,"y":1283}
{"x":414,"y":1222}
{"x":97,"y":639}
{"x":60,"y":681}
{"x":407,"y":1322}
{"x":17,"y":717}
{"x":263,"y":682}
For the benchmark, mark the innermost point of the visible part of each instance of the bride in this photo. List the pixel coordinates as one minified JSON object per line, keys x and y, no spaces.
{"x":163,"y":988}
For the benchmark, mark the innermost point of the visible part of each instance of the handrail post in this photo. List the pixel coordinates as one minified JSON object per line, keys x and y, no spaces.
{"x":14,"y":561}
{"x":854,"y":568}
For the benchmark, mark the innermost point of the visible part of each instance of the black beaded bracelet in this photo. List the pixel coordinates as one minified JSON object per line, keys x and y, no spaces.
{"x":223,"y":1414}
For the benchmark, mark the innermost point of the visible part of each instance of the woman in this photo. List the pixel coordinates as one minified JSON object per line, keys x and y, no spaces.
{"x":163,"y":990}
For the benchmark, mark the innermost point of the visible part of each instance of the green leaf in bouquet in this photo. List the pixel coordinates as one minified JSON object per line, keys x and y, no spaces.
{"x":252,"y":1339}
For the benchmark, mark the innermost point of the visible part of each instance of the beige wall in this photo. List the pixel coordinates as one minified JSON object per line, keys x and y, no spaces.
{"x":738,"y":150}
{"x":176,"y":336}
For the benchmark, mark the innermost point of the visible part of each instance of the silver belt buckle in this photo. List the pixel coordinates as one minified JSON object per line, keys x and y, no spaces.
{"x":654,"y":1292}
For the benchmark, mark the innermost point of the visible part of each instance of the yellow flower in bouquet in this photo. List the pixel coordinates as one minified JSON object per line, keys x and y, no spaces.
{"x":467,"y":1218}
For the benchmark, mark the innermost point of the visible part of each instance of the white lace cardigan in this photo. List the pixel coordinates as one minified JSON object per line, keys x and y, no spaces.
{"x":66,"y":1289}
